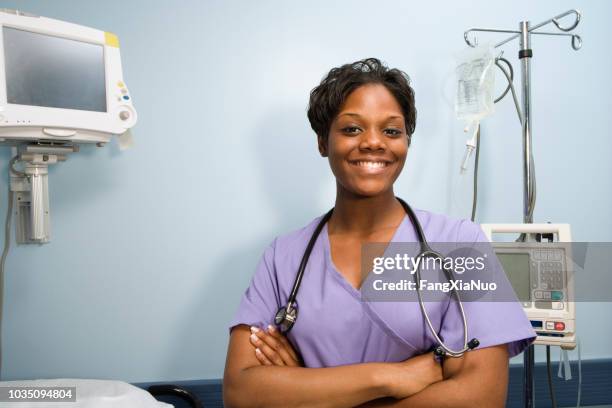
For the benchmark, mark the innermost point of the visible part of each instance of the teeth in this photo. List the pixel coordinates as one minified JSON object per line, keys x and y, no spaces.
{"x":370,"y":164}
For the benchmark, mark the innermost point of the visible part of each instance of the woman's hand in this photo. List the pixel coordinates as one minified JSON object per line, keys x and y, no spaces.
{"x":272,"y":348}
{"x":413,"y":375}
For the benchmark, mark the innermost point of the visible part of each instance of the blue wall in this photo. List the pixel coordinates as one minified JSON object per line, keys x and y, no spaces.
{"x":152,"y":248}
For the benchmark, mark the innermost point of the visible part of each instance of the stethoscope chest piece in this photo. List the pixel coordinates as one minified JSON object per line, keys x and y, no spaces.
{"x":285,"y":318}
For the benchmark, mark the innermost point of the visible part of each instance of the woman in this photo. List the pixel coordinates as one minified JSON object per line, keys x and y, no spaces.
{"x":342,"y":351}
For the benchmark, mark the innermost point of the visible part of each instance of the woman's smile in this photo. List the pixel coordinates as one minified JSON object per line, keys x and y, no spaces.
{"x":370,"y":166}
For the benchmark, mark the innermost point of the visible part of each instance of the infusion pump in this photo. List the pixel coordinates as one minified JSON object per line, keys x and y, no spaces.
{"x":541,"y":274}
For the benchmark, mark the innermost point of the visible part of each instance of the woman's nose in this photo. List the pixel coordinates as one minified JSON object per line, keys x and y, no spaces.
{"x":372,"y":140}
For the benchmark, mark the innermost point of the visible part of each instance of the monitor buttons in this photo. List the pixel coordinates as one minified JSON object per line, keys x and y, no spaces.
{"x":126,"y":116}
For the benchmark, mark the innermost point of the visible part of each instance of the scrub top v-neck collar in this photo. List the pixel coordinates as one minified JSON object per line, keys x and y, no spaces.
{"x":355,"y":292}
{"x":399,"y":235}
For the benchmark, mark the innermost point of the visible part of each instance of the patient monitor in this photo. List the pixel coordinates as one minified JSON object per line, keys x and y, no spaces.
{"x":541,"y":274}
{"x":60,"y":82}
{"x":61,"y":85}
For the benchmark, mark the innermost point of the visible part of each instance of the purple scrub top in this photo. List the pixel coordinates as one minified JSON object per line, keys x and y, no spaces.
{"x":335,"y":327}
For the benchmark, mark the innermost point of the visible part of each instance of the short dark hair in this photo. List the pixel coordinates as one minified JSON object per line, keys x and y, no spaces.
{"x":327,"y":98}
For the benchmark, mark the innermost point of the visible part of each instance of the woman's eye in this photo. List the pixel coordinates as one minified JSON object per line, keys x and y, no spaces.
{"x":351,"y":130}
{"x":393,"y":132}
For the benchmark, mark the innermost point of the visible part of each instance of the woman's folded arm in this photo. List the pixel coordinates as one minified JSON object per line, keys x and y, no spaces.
{"x":478,"y":379}
{"x":248,"y":383}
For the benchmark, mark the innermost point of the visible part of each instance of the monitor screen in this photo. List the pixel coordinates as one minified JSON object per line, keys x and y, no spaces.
{"x":43,"y":70}
{"x":516,"y":266}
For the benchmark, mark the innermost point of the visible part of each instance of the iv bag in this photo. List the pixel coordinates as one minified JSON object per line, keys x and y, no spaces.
{"x":475,"y":83}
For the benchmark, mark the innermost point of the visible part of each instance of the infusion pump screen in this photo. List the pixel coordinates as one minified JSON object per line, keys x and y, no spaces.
{"x":48,"y":71}
{"x":517,"y":269}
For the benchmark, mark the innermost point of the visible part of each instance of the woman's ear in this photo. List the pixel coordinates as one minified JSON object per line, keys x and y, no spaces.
{"x":322,"y":146}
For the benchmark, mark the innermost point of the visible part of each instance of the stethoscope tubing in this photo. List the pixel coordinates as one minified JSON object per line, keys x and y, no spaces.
{"x":448,"y":350}
{"x":425,"y":251}
{"x":304,"y":261}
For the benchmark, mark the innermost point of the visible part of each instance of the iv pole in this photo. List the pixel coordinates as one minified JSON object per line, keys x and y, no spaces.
{"x":529,"y":190}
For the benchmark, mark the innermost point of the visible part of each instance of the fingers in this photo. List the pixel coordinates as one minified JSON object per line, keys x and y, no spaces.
{"x":262,"y":358}
{"x":267,"y":346}
{"x":271,"y":348}
{"x":273,"y":331}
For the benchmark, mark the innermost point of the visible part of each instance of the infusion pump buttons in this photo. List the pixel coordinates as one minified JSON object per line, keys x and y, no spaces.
{"x":551,"y":275}
{"x":549,"y":282}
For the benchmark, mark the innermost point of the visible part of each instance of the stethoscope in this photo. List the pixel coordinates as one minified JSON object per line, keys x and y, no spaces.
{"x":287,"y":315}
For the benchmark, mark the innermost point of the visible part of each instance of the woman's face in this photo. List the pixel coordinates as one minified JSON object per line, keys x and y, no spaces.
{"x":367,"y":143}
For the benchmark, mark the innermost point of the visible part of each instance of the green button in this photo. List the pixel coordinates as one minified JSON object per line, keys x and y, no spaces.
{"x":556,"y":295}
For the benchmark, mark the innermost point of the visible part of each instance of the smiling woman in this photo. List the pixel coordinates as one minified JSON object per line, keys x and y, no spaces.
{"x":367,"y":142}
{"x":342,"y":351}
